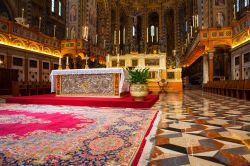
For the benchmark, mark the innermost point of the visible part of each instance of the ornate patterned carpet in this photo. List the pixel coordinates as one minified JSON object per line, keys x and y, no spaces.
{"x":199,"y":128}
{"x":53,"y":135}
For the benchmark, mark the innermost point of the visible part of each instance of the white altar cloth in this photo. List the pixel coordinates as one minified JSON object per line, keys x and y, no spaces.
{"x":123,"y":85}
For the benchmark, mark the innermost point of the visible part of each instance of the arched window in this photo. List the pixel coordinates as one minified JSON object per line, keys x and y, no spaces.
{"x":237,"y":5}
{"x":60,"y":8}
{"x":53,"y":6}
{"x":246,"y":3}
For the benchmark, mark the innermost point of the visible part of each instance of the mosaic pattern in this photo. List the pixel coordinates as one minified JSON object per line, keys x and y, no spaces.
{"x":64,"y":135}
{"x":91,"y":84}
{"x":199,"y":128}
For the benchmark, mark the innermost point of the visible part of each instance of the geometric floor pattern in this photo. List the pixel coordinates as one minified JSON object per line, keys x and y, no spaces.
{"x":199,"y":128}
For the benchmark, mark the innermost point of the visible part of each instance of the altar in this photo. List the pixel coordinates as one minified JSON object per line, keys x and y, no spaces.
{"x":99,"y":82}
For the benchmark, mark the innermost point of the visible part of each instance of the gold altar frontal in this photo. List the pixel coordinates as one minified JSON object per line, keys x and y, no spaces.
{"x":89,"y":85}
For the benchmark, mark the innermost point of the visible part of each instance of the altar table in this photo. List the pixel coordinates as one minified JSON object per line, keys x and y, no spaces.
{"x":99,"y":82}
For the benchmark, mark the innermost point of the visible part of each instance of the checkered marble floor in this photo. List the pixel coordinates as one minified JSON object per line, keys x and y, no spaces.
{"x":198,"y":128}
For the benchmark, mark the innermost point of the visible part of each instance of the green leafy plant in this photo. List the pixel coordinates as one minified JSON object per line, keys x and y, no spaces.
{"x":137,"y":76}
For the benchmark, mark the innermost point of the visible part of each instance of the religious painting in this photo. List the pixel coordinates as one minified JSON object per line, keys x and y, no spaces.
{"x":219,"y":2}
{"x":72,"y":15}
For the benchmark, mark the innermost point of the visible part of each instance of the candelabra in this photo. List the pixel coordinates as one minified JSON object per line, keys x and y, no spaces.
{"x":87,"y":48}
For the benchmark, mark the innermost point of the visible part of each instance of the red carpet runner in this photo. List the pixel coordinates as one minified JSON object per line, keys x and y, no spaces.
{"x":125,"y":102}
{"x":64,"y":135}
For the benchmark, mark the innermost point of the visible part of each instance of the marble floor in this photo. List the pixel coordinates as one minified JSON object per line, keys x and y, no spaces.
{"x":198,"y":128}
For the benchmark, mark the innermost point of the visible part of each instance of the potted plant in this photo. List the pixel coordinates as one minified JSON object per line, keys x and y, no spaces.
{"x":138,"y":82}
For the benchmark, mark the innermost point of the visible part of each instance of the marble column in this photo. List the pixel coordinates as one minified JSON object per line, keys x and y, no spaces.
{"x":205,"y":68}
{"x":211,"y":65}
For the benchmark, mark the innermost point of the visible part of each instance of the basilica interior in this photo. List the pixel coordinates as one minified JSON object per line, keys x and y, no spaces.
{"x":197,"y":53}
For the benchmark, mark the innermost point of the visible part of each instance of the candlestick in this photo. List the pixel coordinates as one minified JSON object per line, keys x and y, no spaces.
{"x":54,"y":30}
{"x":191,"y":31}
{"x":124,"y":41}
{"x":118,"y":60}
{"x":174,"y":53}
{"x":234,"y":14}
{"x":147,"y":34}
{"x":67,"y":60}
{"x":22,"y":13}
{"x":186,"y":26}
{"x":119,"y":37}
{"x":87,"y":32}
{"x":152,"y":38}
{"x":108,"y":58}
{"x":197,"y":20}
{"x":193,"y":20}
{"x":39,"y":26}
{"x":86,"y":65}
{"x":114,"y":37}
{"x":156,"y":34}
{"x":60,"y":64}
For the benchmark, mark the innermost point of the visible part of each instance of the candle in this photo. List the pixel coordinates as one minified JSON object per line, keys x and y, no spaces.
{"x":156,"y":34}
{"x":54,"y":30}
{"x":124,"y":35}
{"x":188,"y":37}
{"x":67,"y":60}
{"x":186,"y":26}
{"x":67,"y":32}
{"x":60,"y":61}
{"x":197,"y":20}
{"x":234,"y":12}
{"x":108,"y":58}
{"x":118,"y":57}
{"x":22,"y":13}
{"x":39,"y":26}
{"x":119,"y":37}
{"x":114,"y":37}
{"x":96,"y":38}
{"x":87,"y":32}
{"x":147,"y":34}
{"x":174,"y":53}
{"x":191,"y":31}
{"x":152,"y":38}
{"x":193,"y":20}
{"x":104,"y":44}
